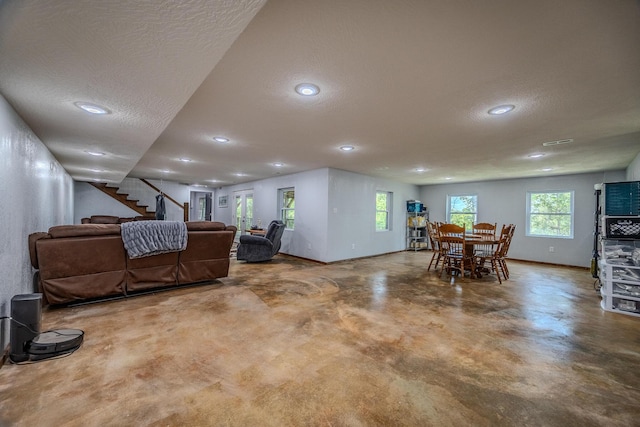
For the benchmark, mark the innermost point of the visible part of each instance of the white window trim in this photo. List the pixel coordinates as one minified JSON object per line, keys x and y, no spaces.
{"x":449,"y":196}
{"x":528,"y":215}
{"x":388,"y":211}
{"x":283,"y":209}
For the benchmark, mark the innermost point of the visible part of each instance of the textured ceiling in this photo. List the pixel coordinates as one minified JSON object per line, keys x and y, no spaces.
{"x":408,"y":83}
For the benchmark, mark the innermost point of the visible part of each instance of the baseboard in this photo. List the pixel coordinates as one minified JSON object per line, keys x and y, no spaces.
{"x":552,"y":264}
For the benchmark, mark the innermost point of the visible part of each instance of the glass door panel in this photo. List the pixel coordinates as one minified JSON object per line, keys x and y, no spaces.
{"x":243,"y":204}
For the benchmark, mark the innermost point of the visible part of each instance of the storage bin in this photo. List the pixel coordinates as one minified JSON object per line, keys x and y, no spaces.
{"x":626,"y":305}
{"x":621,"y":227}
{"x":622,"y":198}
{"x":416,"y":221}
{"x":414,"y":206}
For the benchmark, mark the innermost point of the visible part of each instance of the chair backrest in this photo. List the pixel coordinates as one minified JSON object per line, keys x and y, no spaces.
{"x":450,"y":229}
{"x":432,"y":230}
{"x":506,"y":229}
{"x":452,"y":239}
{"x":274,"y":234}
{"x":485,"y":229}
{"x":508,"y":236}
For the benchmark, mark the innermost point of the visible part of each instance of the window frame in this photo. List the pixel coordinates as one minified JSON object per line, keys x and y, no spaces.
{"x":450,"y":197}
{"x":285,"y":210}
{"x":570,"y":214}
{"x":388,"y":210}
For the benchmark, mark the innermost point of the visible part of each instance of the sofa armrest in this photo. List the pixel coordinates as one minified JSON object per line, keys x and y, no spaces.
{"x":33,"y":254}
{"x":255,"y":240}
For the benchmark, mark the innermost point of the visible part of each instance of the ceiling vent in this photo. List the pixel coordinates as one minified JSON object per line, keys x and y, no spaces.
{"x":558,"y":142}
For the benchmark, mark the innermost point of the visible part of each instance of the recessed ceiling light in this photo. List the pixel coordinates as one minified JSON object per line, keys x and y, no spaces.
{"x":448,"y":178}
{"x":186,"y":160}
{"x":96,"y":170}
{"x":94,"y":153}
{"x":501,"y":109}
{"x":278,"y":164}
{"x":547,"y":169}
{"x":92,"y":108}
{"x":347,"y":148}
{"x":307,"y":89}
{"x":558,"y":142}
{"x":420,"y":169}
{"x":535,"y":155}
{"x":220,"y":139}
{"x":240,"y":174}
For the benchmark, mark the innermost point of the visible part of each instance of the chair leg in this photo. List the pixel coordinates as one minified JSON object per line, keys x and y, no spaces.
{"x":505,"y":268}
{"x":439,"y":260}
{"x":495,"y":264}
{"x":436,"y":257}
{"x":447,"y":264}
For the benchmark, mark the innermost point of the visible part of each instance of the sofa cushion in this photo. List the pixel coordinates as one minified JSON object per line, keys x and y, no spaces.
{"x":205,"y":226}
{"x":60,"y":231}
{"x":104,"y":219}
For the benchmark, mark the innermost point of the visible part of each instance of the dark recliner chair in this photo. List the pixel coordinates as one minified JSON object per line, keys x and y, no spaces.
{"x":259,"y":248}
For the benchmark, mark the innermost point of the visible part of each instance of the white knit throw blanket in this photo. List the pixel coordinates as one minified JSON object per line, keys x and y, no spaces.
{"x":146,"y":238}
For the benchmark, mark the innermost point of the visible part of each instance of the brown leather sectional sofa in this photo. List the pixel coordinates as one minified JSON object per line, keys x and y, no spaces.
{"x":88,"y":261}
{"x":110,"y":219}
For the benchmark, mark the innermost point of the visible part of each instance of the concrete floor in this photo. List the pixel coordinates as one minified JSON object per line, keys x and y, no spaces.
{"x":376,"y":341}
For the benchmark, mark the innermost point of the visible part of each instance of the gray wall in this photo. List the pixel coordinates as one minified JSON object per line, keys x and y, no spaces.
{"x":504,"y":202}
{"x":352,"y":217}
{"x":309,"y":239}
{"x":36,"y":193}
{"x":335,"y":213}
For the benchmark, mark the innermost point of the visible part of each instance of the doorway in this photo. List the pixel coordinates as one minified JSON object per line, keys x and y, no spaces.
{"x":243,"y":213}
{"x":201,"y":208}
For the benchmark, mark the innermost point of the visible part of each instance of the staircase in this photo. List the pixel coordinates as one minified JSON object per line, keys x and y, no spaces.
{"x":143,"y":210}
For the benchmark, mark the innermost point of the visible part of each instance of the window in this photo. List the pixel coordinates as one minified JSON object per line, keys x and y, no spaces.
{"x":287,"y":207}
{"x":550,"y":214}
{"x":462,"y":210}
{"x":383,"y":210}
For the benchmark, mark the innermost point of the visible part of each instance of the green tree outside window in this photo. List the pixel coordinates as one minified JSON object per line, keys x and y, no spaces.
{"x":463,"y":210}
{"x":288,"y":207}
{"x":383,"y":202}
{"x":550,"y":214}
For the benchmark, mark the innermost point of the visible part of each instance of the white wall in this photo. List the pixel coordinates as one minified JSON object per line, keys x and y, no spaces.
{"x":335,"y":213}
{"x":504,"y":202}
{"x":309,"y":239}
{"x":633,"y":171}
{"x":36,"y":193}
{"x":352,"y":218}
{"x":88,"y":201}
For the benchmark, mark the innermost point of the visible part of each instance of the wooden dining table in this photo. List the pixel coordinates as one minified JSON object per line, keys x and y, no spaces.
{"x":256,"y":231}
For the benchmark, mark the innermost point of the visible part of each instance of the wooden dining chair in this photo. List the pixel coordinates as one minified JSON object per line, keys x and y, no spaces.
{"x":508,"y":232}
{"x":490,"y":256}
{"x":485,"y":229}
{"x":453,"y":250}
{"x":432,"y":231}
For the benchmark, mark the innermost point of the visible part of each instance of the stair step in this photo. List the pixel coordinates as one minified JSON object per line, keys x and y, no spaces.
{"x":123,"y":198}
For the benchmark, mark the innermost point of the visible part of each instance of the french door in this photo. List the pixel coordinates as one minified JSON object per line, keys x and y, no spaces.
{"x":243,"y":215}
